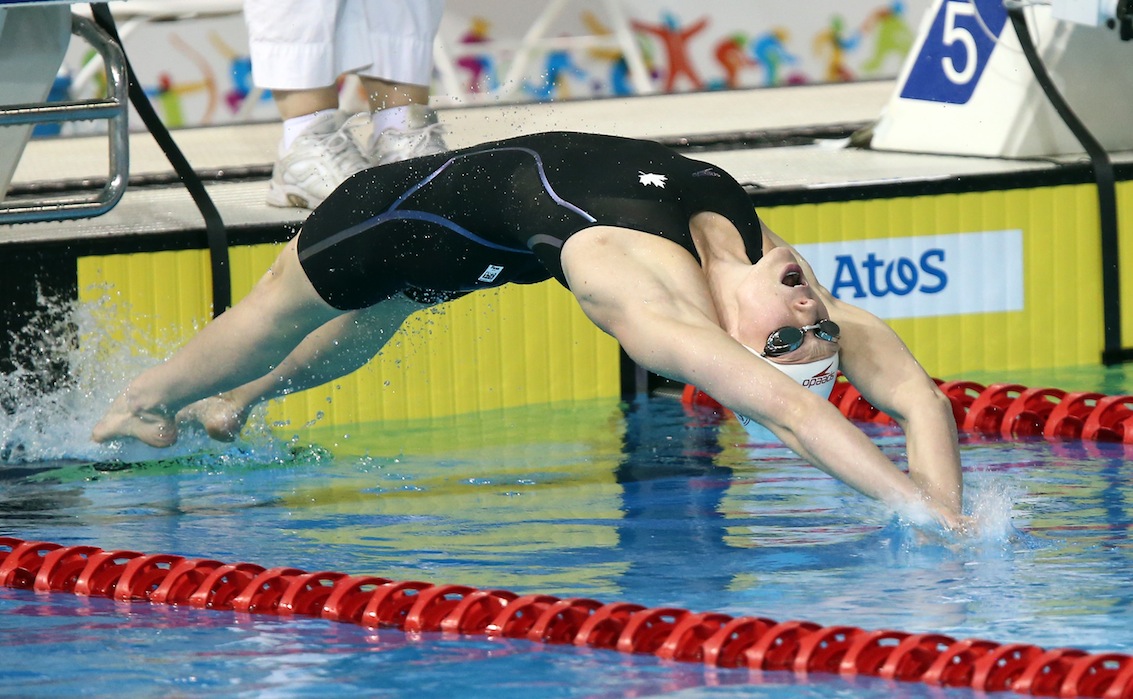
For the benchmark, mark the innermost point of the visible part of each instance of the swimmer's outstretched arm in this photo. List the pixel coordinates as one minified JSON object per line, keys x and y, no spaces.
{"x":881,"y":366}
{"x":661,"y":314}
{"x":807,"y":423}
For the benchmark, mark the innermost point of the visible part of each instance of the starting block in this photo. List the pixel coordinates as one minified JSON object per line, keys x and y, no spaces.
{"x":966,"y":87}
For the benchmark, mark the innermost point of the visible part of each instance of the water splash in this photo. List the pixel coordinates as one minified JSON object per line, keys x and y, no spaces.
{"x":70,"y":361}
{"x":991,"y":504}
{"x":994,"y":528}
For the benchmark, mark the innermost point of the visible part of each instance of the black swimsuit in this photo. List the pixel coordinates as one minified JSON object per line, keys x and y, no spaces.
{"x":444,"y":225}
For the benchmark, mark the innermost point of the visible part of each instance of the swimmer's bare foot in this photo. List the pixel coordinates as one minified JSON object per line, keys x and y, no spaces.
{"x":153,"y":428}
{"x":221,"y":417}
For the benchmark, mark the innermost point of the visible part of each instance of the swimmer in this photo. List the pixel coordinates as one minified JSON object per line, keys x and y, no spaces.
{"x":664,"y":253}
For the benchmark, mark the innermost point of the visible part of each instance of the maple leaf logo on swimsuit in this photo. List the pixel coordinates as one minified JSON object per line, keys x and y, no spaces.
{"x":649,"y":178}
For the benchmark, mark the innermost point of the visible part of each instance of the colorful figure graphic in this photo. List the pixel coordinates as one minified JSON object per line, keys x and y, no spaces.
{"x":95,"y":85}
{"x":675,"y":40}
{"x":770,"y":51}
{"x":168,"y":99}
{"x":833,"y":43}
{"x":558,"y":67}
{"x":894,"y":36}
{"x":482,"y":73}
{"x":620,"y":83}
{"x":240,"y":70}
{"x":732,"y":57}
{"x":60,"y":92}
{"x":168,"y":94}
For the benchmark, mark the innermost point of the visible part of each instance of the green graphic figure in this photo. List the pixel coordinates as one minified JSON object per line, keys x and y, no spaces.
{"x":894,"y":37}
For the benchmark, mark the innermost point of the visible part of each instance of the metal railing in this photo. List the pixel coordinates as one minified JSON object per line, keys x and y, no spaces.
{"x":114,"y":108}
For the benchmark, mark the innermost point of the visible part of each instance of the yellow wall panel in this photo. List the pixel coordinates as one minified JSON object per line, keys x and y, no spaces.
{"x":1125,"y":228}
{"x":152,"y":301}
{"x":1061,"y":323}
{"x":532,"y":345}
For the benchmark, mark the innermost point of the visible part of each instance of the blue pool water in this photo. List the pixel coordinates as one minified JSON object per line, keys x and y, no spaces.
{"x":644,"y":503}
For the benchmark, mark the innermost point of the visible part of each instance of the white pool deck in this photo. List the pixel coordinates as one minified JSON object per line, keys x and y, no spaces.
{"x":819,"y":164}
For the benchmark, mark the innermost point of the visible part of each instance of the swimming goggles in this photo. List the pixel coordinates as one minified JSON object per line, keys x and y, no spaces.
{"x":788,"y":338}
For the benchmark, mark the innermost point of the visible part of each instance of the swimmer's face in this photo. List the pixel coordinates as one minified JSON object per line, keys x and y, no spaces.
{"x":776,"y":293}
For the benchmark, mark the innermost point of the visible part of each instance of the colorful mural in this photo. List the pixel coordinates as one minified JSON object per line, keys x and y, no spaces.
{"x":197,"y":71}
{"x":734,"y":44}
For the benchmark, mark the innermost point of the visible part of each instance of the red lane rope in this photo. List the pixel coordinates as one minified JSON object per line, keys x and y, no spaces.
{"x":1004,"y":410}
{"x":673,"y":634}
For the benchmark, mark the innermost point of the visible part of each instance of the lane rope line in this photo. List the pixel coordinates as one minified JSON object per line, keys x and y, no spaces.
{"x":669,"y":633}
{"x":1006,"y":410}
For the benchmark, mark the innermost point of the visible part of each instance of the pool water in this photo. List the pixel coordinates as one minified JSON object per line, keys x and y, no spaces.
{"x":647,"y":503}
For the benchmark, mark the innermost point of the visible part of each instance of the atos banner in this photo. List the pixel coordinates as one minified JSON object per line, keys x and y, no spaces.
{"x":923,"y":276}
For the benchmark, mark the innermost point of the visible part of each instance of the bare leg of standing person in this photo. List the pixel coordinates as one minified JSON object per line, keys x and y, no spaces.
{"x":404,"y":125}
{"x":317,"y":151}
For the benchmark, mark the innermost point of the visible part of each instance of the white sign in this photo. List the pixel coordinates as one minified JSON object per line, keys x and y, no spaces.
{"x":922,"y":276}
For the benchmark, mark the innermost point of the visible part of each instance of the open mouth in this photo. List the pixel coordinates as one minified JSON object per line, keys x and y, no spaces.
{"x":793,"y":276}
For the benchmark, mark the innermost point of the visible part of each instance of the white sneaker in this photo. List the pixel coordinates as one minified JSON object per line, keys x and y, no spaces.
{"x":422,"y":136}
{"x":318,"y":160}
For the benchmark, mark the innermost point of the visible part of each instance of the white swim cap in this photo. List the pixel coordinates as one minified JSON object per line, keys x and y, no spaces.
{"x":818,"y":377}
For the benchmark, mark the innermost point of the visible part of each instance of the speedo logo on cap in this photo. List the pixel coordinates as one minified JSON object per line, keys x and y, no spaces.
{"x":820,"y":382}
{"x":823,"y":377}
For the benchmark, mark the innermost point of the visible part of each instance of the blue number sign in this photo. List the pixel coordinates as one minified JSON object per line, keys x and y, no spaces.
{"x":956,"y":51}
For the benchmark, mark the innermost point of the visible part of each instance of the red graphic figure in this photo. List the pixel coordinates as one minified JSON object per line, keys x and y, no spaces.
{"x":675,"y":41}
{"x":620,"y":83}
{"x":733,"y":58}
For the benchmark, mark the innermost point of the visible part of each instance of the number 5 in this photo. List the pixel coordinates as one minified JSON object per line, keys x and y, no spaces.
{"x":953,"y":34}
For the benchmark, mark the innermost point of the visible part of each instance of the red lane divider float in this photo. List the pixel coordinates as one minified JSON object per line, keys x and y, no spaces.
{"x":1003,"y":410}
{"x":673,"y":634}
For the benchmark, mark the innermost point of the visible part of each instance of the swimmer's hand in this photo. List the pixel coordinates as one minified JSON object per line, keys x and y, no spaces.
{"x":932,"y":515}
{"x":955,"y":523}
{"x":962,"y":526}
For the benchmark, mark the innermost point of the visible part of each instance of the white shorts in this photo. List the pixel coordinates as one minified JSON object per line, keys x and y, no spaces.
{"x":302,"y":44}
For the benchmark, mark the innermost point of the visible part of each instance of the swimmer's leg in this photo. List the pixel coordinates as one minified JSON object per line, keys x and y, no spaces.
{"x":244,"y":343}
{"x":339,"y":347}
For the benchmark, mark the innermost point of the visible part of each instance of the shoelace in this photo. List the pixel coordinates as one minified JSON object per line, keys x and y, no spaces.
{"x":431,"y":135}
{"x":341,"y":147}
{"x":425,"y":140}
